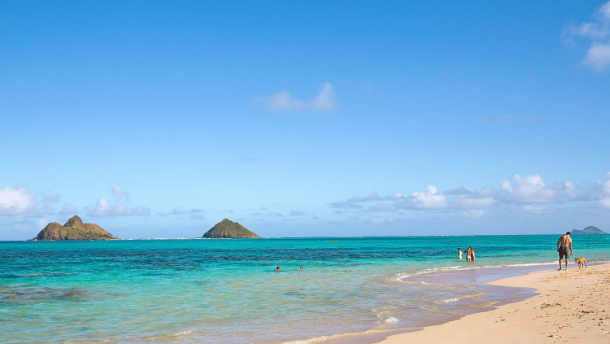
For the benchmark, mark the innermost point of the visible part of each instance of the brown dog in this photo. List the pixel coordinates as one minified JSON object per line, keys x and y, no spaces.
{"x":582,"y":261}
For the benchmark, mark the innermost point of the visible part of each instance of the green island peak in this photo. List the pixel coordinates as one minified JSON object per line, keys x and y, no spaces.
{"x":230,"y":230}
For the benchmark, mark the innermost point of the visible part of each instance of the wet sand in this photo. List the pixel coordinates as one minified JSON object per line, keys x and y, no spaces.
{"x":570,"y":306}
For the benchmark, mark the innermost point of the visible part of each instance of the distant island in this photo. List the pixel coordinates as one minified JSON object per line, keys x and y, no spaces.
{"x":74,"y":229}
{"x":588,"y":230}
{"x":229,"y":229}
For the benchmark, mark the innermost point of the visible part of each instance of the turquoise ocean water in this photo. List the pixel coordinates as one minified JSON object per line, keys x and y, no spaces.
{"x":225,"y":291}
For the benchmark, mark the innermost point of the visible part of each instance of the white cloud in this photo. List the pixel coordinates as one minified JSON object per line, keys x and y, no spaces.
{"x":118,"y":192}
{"x":528,"y":193}
{"x":537,"y":208}
{"x":466,"y":202}
{"x":570,"y":189}
{"x":325,"y":101}
{"x":296,"y":213}
{"x":527,"y":190}
{"x":596,"y":34}
{"x":17,"y":201}
{"x":598,"y":56}
{"x":430,"y":199}
{"x":103,"y":208}
{"x":283,"y":101}
{"x":604,"y":195}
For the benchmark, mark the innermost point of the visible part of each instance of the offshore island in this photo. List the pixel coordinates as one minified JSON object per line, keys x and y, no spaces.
{"x":74,"y":229}
{"x":227,"y":229}
{"x":588,"y":230}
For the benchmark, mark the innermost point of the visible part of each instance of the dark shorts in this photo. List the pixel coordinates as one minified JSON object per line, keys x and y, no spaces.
{"x":563,"y":251}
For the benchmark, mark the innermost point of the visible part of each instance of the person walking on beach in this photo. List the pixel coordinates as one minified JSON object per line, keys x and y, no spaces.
{"x":564,"y":242}
{"x":460,"y":253}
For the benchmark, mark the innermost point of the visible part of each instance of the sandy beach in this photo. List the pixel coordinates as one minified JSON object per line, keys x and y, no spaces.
{"x":570,"y":306}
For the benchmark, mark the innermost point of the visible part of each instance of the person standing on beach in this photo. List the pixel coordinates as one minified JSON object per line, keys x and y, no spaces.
{"x":460,"y":253}
{"x":563,"y":244}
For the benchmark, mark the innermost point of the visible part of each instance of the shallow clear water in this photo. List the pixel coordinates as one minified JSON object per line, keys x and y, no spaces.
{"x":225,"y":291}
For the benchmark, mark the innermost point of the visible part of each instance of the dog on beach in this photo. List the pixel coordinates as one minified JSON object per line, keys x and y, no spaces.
{"x":582,"y":261}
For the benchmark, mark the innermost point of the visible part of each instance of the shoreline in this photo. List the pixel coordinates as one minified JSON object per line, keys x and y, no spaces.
{"x":567,"y":305}
{"x":474,"y":278}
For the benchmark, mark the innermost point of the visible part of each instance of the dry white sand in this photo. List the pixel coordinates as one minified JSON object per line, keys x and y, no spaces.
{"x":571,"y":307}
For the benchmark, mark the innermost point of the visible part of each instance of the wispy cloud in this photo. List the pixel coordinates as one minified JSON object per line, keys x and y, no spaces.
{"x":175,"y":212}
{"x":196,"y":214}
{"x":596,"y":34}
{"x":118,"y":192}
{"x":284,"y":101}
{"x":68,"y":209}
{"x":104,"y":208}
{"x":20,"y":201}
{"x":598,"y":56}
{"x":139,"y":210}
{"x":296,"y":213}
{"x":528,"y":193}
{"x":193,"y":213}
{"x":604,"y":192}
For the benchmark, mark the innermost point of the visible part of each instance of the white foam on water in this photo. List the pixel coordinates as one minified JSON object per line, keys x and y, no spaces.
{"x":183,"y":333}
{"x":309,"y":340}
{"x":390,"y":320}
{"x":336,"y":336}
{"x":402,"y":276}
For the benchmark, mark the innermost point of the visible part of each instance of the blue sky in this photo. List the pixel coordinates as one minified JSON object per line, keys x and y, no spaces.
{"x":159,"y":118}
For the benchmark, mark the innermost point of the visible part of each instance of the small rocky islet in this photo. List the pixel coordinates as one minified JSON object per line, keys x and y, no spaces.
{"x":588,"y":230}
{"x":227,"y":229}
{"x":74,"y":229}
